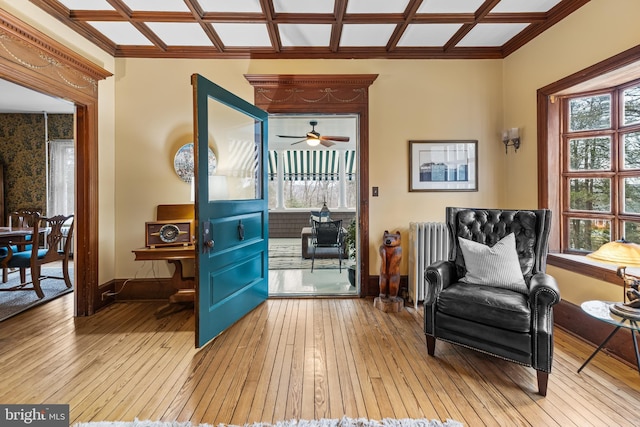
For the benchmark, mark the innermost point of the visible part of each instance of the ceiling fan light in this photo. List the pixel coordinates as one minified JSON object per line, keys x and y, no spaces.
{"x":312,"y":142}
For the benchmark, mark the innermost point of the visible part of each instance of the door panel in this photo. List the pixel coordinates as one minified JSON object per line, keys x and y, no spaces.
{"x":231,"y":208}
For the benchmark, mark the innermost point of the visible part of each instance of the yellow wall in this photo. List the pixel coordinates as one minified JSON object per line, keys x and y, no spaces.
{"x":410,"y":100}
{"x":595,"y":32}
{"x":145,"y":116}
{"x":32,"y":15}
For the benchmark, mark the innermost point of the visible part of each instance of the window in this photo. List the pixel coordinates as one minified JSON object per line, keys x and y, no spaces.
{"x":61,"y":183}
{"x":309,"y":178}
{"x":600,"y":148}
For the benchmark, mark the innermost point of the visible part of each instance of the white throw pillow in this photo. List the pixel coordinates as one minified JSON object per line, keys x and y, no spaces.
{"x":493,"y":266}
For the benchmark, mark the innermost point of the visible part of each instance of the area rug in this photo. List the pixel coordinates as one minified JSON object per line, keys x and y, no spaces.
{"x":286,"y":254}
{"x":12,"y":303}
{"x":342,"y":422}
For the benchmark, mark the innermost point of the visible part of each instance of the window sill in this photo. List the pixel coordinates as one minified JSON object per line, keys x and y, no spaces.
{"x":583,"y":265}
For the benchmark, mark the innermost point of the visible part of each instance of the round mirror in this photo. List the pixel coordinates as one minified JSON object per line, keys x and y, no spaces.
{"x":183,"y":162}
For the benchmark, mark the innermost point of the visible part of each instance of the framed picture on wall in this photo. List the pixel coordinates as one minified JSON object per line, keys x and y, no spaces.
{"x":443,"y":165}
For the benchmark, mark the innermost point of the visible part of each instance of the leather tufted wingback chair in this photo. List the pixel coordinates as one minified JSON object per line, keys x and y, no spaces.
{"x":504,"y":323}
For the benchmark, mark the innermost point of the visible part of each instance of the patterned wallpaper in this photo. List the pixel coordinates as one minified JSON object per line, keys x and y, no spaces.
{"x":22,"y":152}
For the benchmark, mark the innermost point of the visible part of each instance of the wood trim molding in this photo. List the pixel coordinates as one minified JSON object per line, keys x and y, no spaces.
{"x":34,"y":60}
{"x":548,"y":129}
{"x":326,"y":93}
{"x":584,"y":268}
{"x":36,"y":54}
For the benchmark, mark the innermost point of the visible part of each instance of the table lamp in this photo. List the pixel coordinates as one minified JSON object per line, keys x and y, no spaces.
{"x":623,"y":254}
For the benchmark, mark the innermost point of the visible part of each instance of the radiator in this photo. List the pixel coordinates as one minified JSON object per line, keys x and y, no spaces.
{"x":428,"y":243}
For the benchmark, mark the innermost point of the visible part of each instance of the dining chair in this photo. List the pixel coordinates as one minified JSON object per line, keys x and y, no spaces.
{"x":18,"y":219}
{"x":51,"y":241}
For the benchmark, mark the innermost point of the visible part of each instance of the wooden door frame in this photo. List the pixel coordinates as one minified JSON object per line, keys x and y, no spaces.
{"x":32,"y":59}
{"x":330,"y":93}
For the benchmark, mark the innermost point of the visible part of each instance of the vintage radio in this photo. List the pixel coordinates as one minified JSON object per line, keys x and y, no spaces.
{"x":169,"y":233}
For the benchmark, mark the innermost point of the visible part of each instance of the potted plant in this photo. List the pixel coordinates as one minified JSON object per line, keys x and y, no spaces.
{"x":350,"y":240}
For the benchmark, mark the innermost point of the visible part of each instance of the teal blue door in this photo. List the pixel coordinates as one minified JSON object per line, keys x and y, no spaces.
{"x":231,"y":208}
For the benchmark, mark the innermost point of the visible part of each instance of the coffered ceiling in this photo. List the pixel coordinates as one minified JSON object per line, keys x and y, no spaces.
{"x":310,"y":28}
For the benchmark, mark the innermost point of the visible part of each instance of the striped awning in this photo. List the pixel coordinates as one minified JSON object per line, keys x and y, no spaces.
{"x":316,"y":165}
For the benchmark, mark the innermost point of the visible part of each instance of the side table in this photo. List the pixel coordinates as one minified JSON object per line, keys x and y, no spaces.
{"x":600,"y":310}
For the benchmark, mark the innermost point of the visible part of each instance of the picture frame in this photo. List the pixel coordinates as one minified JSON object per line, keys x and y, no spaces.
{"x":442,"y":165}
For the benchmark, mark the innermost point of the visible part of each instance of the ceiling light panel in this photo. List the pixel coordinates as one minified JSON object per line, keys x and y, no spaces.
{"x":122,"y":33}
{"x":86,"y":4}
{"x":243,"y":35}
{"x":180,"y":33}
{"x":235,"y":6}
{"x":448,"y":6}
{"x":305,"y":34}
{"x":156,"y":5}
{"x":366,"y":34}
{"x":376,"y":6}
{"x":430,"y":35}
{"x":491,"y":34}
{"x":303,"y":6}
{"x":509,"y":6}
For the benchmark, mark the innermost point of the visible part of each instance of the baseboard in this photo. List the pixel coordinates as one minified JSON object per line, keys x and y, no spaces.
{"x":372,"y":287}
{"x":144,"y":289}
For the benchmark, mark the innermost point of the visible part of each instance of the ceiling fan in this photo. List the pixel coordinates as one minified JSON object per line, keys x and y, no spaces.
{"x":314,"y":138}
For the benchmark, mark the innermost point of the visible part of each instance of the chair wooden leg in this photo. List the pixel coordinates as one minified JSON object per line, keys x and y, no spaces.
{"x":543,"y":379}
{"x":65,"y":273}
{"x":431,"y":344}
{"x":313,"y":257}
{"x":5,"y":275}
{"x":23,"y":275}
{"x":35,"y":278}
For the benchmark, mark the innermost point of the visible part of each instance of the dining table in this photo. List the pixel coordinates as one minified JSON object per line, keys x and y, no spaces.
{"x":8,"y":234}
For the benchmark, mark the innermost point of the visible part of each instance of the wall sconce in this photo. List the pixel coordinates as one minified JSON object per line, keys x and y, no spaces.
{"x":511,"y":137}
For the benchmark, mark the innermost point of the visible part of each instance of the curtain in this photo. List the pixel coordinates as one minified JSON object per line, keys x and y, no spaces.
{"x":61,"y":183}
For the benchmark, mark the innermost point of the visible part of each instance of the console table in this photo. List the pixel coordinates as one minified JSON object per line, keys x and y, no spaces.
{"x":185,"y":286}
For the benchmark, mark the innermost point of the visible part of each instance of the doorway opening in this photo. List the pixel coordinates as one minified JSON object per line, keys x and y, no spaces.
{"x":311,"y":180}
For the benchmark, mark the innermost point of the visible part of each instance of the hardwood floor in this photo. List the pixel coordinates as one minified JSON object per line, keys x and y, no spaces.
{"x":294,"y":358}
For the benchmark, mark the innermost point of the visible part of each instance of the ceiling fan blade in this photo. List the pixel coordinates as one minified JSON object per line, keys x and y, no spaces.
{"x":335,"y":138}
{"x":289,"y":136}
{"x":326,"y":143}
{"x":298,"y":142}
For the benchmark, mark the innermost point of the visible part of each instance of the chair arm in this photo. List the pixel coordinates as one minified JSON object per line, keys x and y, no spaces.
{"x":543,"y":290}
{"x":543,"y":294}
{"x":438,"y":276}
{"x":10,"y":245}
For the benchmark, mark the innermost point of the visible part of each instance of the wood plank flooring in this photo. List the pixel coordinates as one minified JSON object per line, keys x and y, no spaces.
{"x":294,"y":358}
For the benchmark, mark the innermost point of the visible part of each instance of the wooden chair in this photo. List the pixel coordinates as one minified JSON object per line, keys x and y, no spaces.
{"x":18,"y":219}
{"x":57,"y":244}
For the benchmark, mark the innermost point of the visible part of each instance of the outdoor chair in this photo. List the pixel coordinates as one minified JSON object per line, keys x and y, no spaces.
{"x":327,"y":235}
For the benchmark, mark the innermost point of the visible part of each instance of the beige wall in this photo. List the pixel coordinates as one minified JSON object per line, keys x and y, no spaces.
{"x":43,"y":22}
{"x":145,"y":115}
{"x":597,"y":31}
{"x":410,"y":100}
